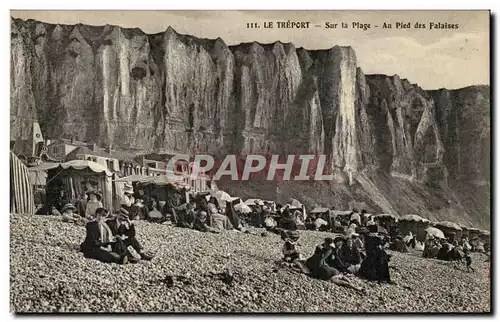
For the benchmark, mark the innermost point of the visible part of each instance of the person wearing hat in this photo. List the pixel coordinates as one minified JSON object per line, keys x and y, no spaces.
{"x":318,"y":262}
{"x":68,"y":214}
{"x":186,"y":217}
{"x":100,"y":242}
{"x":287,"y":221}
{"x":93,"y":204}
{"x":351,"y":255}
{"x":375,"y":267}
{"x":337,"y":260}
{"x":138,"y":211}
{"x":124,"y":230}
{"x":200,"y":221}
{"x":319,"y":268}
{"x":154,"y":215}
{"x":290,"y":252}
{"x":127,"y":198}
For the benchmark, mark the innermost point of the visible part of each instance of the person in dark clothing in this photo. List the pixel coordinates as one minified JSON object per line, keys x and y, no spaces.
{"x":351,"y":253}
{"x":310,"y":222}
{"x":290,"y":251}
{"x":233,"y":216}
{"x":100,"y":244}
{"x":375,"y":266}
{"x":286,"y":221}
{"x":61,"y":200}
{"x":336,"y":260}
{"x":169,"y":210}
{"x":214,"y":201}
{"x":187,"y":217}
{"x":319,"y":268}
{"x":138,"y":211}
{"x":468,"y":260}
{"x":200,"y":222}
{"x":257,"y":215}
{"x":445,"y":251}
{"x":122,"y":228}
{"x":318,"y":262}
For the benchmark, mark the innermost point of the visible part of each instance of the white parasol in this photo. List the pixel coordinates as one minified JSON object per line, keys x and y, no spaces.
{"x":435,"y":232}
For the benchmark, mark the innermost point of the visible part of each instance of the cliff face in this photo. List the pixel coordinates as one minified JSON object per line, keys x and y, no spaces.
{"x":167,"y":92}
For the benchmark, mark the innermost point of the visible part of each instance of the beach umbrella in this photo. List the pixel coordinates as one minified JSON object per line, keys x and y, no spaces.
{"x":294,"y":203}
{"x":320,"y":222}
{"x":435,"y":232}
{"x":415,"y":218}
{"x":252,"y":202}
{"x":222,"y":196}
{"x":241,"y":207}
{"x":244,"y":209}
{"x":448,"y":224}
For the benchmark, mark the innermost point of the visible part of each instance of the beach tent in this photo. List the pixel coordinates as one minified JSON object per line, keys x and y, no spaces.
{"x":415,"y":224}
{"x":473,"y":233}
{"x":21,"y":190}
{"x":449,"y":229}
{"x":72,"y":175}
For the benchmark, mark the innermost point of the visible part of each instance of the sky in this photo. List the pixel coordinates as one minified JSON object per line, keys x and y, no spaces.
{"x":437,"y":58}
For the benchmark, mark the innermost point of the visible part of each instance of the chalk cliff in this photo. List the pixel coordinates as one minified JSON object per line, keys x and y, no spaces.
{"x":172,"y":92}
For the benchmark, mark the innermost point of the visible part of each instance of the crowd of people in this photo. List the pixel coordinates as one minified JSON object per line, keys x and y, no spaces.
{"x":360,"y":250}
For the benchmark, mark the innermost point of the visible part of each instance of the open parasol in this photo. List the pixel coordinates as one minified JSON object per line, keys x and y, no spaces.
{"x":435,"y":232}
{"x":448,"y":224}
{"x":241,"y":207}
{"x":415,"y":218}
{"x":252,"y":202}
{"x":222,"y":197}
{"x":294,"y":203}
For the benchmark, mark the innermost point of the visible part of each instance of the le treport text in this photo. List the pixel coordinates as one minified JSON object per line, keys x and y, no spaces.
{"x":354,"y":25}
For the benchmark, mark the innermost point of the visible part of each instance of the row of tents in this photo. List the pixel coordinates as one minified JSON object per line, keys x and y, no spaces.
{"x":416,"y":224}
{"x":74,"y":178}
{"x":71,"y":175}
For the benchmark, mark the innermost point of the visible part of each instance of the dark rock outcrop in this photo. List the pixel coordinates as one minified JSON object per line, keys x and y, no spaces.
{"x":172,"y":92}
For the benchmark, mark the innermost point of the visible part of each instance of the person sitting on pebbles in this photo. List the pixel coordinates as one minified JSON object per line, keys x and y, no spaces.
{"x":200,"y":222}
{"x":290,"y":252}
{"x":124,"y":230}
{"x":186,"y":215}
{"x":318,"y":267}
{"x":375,"y":267}
{"x":100,"y":243}
{"x":154,"y":215}
{"x":93,"y":204}
{"x":138,"y":211}
{"x":351,"y":255}
{"x":356,"y":238}
{"x":345,"y":259}
{"x":69,"y":215}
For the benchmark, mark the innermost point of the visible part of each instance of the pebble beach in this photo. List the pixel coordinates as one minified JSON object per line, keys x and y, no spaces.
{"x":49,"y":274}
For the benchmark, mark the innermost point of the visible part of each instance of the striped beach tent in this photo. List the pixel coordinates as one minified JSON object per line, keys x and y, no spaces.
{"x":21,"y":191}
